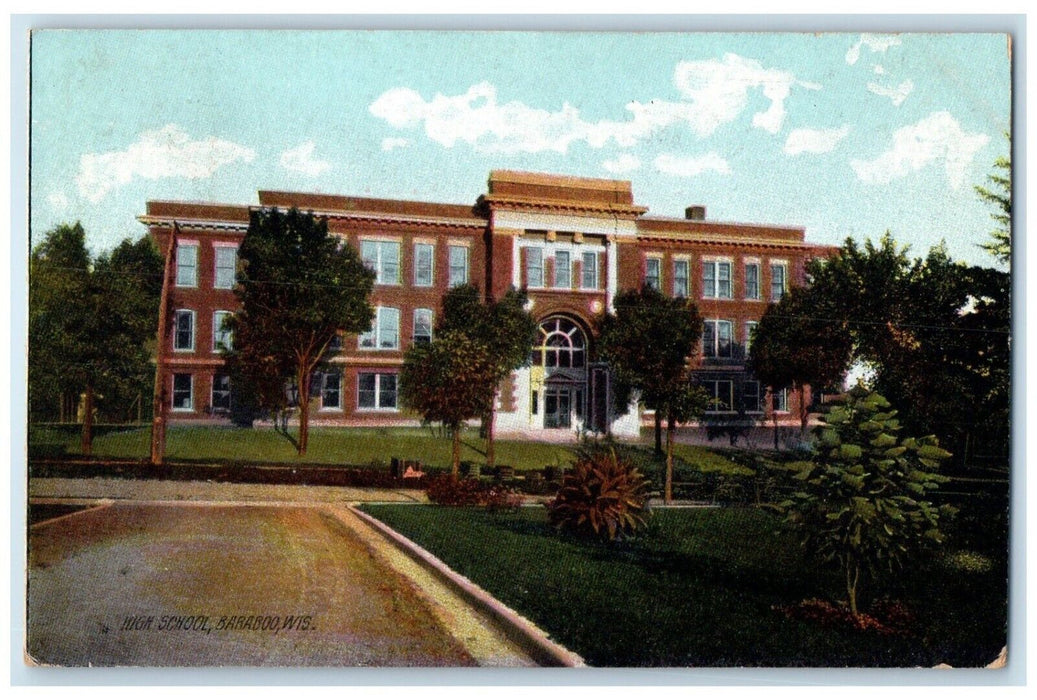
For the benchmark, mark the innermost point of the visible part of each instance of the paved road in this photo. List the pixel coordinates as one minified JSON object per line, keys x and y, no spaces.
{"x":116,"y":585}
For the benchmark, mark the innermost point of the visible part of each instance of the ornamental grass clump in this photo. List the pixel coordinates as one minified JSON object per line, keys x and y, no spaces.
{"x":602,"y":496}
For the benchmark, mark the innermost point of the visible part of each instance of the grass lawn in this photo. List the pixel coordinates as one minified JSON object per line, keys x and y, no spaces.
{"x":353,"y":446}
{"x":700,"y":589}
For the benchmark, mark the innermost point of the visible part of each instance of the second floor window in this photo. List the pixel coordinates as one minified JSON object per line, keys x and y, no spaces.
{"x":652,"y":273}
{"x":589,"y":272}
{"x":779,"y":283}
{"x":458,"y":265}
{"x":183,"y":335}
{"x":534,"y":267}
{"x":385,"y":331}
{"x":680,"y":278}
{"x":752,"y":281}
{"x":563,"y":270}
{"x":226,"y":267}
{"x":383,"y":257}
{"x":716,"y":279}
{"x":187,"y":265}
{"x":423,"y":264}
{"x":222,"y":337}
{"x":716,"y":339}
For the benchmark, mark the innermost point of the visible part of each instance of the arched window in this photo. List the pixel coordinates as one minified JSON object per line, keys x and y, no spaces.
{"x":560,"y":343}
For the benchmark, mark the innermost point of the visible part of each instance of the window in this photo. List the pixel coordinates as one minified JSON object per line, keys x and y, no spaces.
{"x":335,"y":344}
{"x":331,"y":390}
{"x":384,"y":258}
{"x":721,"y":395}
{"x":458,"y":265}
{"x":716,"y":339}
{"x":780,"y":400}
{"x":385,"y":330}
{"x":534,"y":267}
{"x":424,"y":254}
{"x":222,"y":337}
{"x":560,"y":343}
{"x":221,"y":393}
{"x":750,"y":328}
{"x":752,"y":281}
{"x":652,"y":273}
{"x":589,"y":273}
{"x":422,"y":326}
{"x":226,"y":267}
{"x":778,"y":281}
{"x":680,"y":278}
{"x":376,"y":391}
{"x":751,"y":399}
{"x":716,"y":279}
{"x":183,"y":335}
{"x":563,"y":270}
{"x":187,"y":265}
{"x":183,"y":392}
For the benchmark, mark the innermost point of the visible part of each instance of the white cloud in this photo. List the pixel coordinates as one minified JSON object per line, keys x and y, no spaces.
{"x":624,"y":163}
{"x":58,"y":201}
{"x":878,"y":43}
{"x":690,"y":167}
{"x":160,"y":153}
{"x":936,"y":137}
{"x":390,"y":143}
{"x":300,"y":159}
{"x":896,"y":94}
{"x":713,"y":93}
{"x":814,"y":140}
{"x":879,"y":69}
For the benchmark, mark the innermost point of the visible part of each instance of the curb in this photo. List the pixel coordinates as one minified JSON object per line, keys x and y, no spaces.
{"x":520,"y":630}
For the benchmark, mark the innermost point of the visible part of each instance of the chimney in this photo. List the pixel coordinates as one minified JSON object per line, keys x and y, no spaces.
{"x":695,"y":213}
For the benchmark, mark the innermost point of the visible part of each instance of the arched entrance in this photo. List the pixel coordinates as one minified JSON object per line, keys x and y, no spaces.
{"x":560,"y":361}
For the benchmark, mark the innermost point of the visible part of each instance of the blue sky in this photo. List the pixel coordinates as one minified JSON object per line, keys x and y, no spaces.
{"x":845,"y":134}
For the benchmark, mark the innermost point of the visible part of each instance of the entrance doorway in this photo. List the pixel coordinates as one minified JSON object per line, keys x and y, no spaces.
{"x":558,"y":407}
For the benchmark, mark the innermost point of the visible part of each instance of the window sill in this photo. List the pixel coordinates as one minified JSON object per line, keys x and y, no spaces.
{"x":377,"y":410}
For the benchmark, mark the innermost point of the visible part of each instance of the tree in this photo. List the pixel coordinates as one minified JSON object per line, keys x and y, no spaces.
{"x":999,"y":196}
{"x":450,"y":381}
{"x":298,"y":287}
{"x":792,"y":347}
{"x":647,"y":343}
{"x":504,"y":326}
{"x":683,"y":402}
{"x":89,"y":326}
{"x":862,"y":504}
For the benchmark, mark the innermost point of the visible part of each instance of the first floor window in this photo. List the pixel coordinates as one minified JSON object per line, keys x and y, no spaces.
{"x":222,"y":337}
{"x":423,"y":264}
{"x":458,"y":258}
{"x":226,"y":267}
{"x":589,"y":273}
{"x":534,"y":267}
{"x":221,"y":393}
{"x":183,"y":337}
{"x":187,"y":265}
{"x":652,"y":273}
{"x":331,"y":390}
{"x":376,"y":391}
{"x":680,"y":278}
{"x":780,"y":400}
{"x":721,"y":395}
{"x":422,"y":326}
{"x":563,"y":270}
{"x":778,"y":281}
{"x":751,"y":399}
{"x":716,"y":339}
{"x":385,"y":330}
{"x":183,"y":392}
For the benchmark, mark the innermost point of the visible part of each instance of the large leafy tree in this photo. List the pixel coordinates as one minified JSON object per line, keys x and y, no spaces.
{"x":999,"y":196}
{"x":648,"y":342}
{"x":450,"y":381}
{"x":793,"y":347}
{"x":862,"y":504}
{"x":298,"y":288}
{"x":90,"y":323}
{"x":503,"y":326}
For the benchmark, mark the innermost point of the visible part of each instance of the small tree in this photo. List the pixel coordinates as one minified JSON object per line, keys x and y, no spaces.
{"x":450,"y":381}
{"x":999,"y":195}
{"x":685,"y":402}
{"x":647,"y":344}
{"x":298,"y":288}
{"x":863,"y":503}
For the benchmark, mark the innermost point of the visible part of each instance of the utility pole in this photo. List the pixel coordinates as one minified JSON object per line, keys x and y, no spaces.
{"x":158,"y":420}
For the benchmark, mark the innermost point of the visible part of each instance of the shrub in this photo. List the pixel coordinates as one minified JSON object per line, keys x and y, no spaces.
{"x":448,"y":490}
{"x":602,"y":496}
